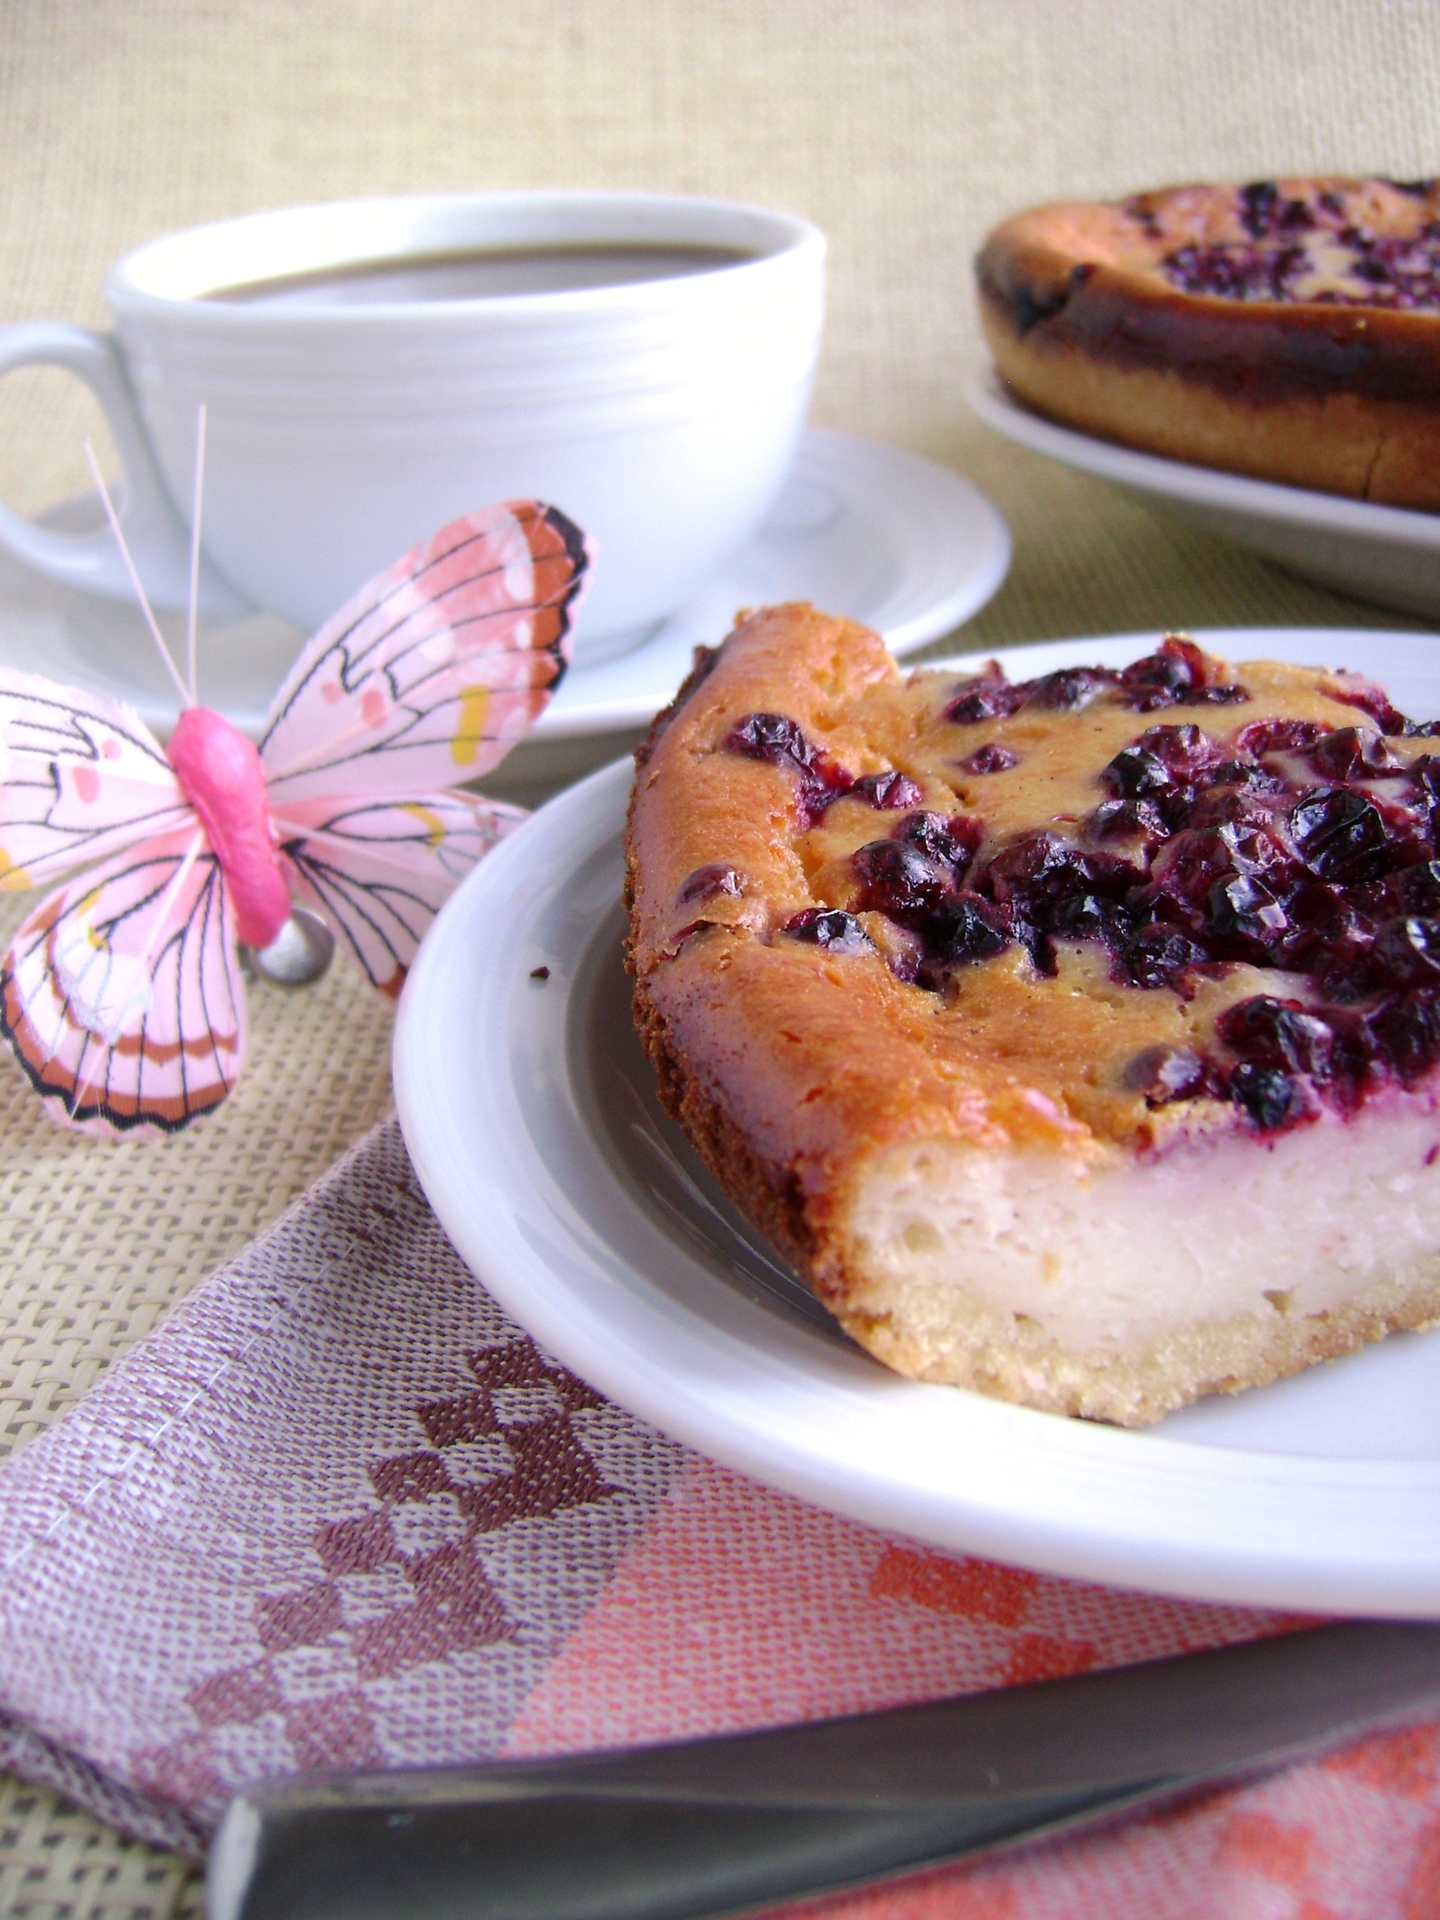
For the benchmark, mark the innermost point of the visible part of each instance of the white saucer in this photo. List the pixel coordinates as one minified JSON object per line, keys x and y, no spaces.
{"x":885,"y":536}
{"x":530,"y":1113}
{"x":1388,"y":555}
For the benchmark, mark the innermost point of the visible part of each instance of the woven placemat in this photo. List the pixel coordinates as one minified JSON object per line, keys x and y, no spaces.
{"x":905,"y":130}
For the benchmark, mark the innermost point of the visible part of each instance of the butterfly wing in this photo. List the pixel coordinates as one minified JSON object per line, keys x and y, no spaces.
{"x":121,"y":993}
{"x":432,"y":671}
{"x":81,"y":776}
{"x":381,"y":870}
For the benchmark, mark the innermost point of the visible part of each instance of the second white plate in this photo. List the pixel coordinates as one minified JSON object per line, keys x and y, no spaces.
{"x":1384,"y":554}
{"x":530,"y":1113}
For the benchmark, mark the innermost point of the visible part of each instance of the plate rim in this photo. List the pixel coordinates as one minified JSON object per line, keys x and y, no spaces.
{"x":1354,"y":1577}
{"x":1186,"y":480}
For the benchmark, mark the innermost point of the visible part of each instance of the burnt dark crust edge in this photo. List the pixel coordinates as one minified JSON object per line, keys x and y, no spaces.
{"x":702,"y":667}
{"x":767,"y":1192}
{"x":770,"y":1194}
{"x":1261,"y":351}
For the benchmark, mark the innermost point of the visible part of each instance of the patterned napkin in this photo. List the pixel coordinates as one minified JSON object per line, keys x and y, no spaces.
{"x":340,"y":1511}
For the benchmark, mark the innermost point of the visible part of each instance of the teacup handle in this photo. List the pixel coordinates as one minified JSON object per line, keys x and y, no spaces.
{"x":153,"y":529}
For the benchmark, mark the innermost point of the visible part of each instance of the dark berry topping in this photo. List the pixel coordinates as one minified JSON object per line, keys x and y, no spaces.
{"x":1136,"y":771}
{"x":901,"y":880}
{"x":1175,"y":674}
{"x":890,"y":792}
{"x":1176,"y":664}
{"x":1400,"y":271}
{"x":778,"y":740}
{"x":1242,"y":912}
{"x":1270,"y":1097}
{"x":962,"y":930}
{"x":1049,"y":888}
{"x":990,"y":697}
{"x":1185,"y":869}
{"x":1405,"y":1032}
{"x":1340,"y":835}
{"x":1161,"y":761}
{"x":1259,"y":203}
{"x":1127,"y":819}
{"x":1231,"y":794}
{"x":1278,"y":736}
{"x":1067,"y":690}
{"x":1354,"y":753}
{"x":712,"y":882}
{"x":829,"y":928}
{"x":1230,"y":696}
{"x":1287,"y":846}
{"x":955,"y":840}
{"x":820,"y":778}
{"x":1039,"y":866}
{"x":1163,"y":1074}
{"x":1157,"y":955}
{"x":992,"y":758}
{"x":1278,"y":1033}
{"x":1417,"y":889}
{"x":1406,"y":952}
{"x":1351,"y":690}
{"x":773,"y":737}
{"x":1237,"y":272}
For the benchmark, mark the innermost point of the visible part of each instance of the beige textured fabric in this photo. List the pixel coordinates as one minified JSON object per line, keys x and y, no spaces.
{"x":905,"y":129}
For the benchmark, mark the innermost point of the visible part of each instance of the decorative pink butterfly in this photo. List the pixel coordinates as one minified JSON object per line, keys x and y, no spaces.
{"x":122,"y":993}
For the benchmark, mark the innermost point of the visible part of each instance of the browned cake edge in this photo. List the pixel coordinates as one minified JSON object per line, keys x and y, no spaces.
{"x":790,"y":1211}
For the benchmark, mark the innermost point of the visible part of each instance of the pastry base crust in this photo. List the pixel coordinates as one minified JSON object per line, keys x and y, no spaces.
{"x":964,"y":1347}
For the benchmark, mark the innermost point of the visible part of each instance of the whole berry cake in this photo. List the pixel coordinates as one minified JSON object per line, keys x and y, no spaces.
{"x":1288,"y":329}
{"x":1077,"y":1039}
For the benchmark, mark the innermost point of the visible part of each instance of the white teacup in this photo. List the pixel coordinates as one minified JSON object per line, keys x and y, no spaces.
{"x":374,"y":368}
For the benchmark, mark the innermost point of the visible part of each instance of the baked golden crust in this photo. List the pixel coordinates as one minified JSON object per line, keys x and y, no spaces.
{"x":811,"y":1078}
{"x":773,"y":1056}
{"x":1308,"y":373}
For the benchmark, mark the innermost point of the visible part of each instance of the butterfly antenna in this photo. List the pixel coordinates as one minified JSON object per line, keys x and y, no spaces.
{"x":195,"y":552}
{"x":156,"y":634}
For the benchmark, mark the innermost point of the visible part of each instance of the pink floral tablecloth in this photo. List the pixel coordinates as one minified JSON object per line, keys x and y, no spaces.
{"x":340,"y":1511}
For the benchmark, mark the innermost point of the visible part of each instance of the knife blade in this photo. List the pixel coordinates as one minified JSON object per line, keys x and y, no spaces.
{"x":715,"y":1826}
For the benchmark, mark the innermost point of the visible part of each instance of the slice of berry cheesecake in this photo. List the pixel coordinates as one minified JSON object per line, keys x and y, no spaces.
{"x":1288,"y":329}
{"x":1076,"y":1039}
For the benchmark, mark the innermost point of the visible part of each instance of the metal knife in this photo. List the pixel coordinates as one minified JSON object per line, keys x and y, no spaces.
{"x":716,"y":1826}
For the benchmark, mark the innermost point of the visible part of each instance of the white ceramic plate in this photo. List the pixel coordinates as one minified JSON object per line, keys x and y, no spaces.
{"x":530,"y":1113}
{"x":885,"y":536}
{"x":1385,"y":554}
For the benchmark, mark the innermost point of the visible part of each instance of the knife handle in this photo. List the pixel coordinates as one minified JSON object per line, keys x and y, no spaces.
{"x":601,"y":1855}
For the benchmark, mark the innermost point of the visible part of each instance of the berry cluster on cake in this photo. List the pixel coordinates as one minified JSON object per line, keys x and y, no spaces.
{"x":1288,"y":329}
{"x":1077,"y":1039}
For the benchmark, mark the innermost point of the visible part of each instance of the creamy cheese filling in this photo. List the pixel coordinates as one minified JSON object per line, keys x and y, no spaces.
{"x":1107,"y":1259}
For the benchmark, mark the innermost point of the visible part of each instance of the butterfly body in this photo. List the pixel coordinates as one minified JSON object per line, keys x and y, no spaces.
{"x":221,"y":776}
{"x":121,"y":995}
